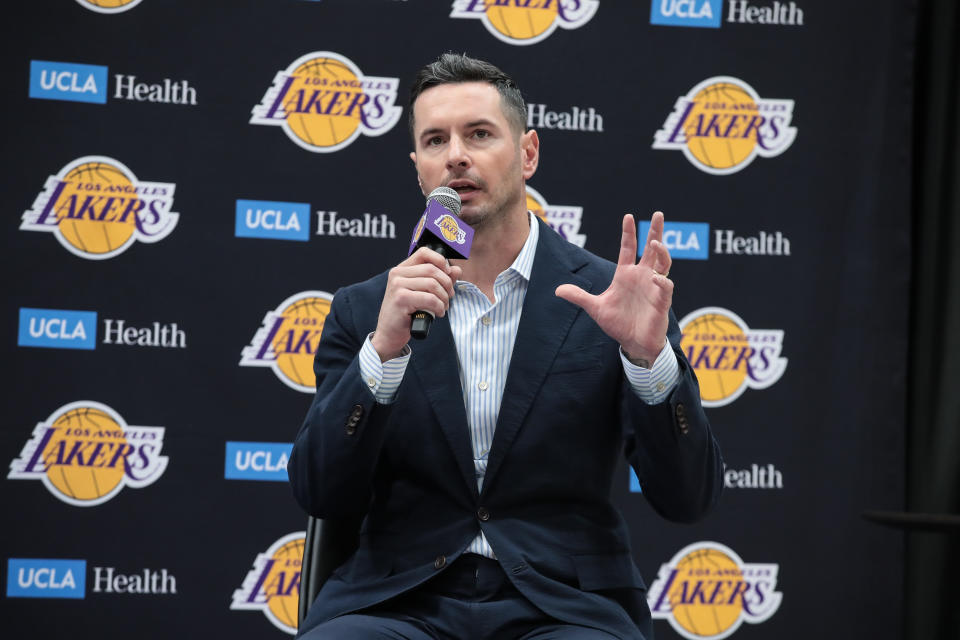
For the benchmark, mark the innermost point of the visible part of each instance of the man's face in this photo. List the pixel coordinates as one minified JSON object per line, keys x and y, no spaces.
{"x":463,"y":140}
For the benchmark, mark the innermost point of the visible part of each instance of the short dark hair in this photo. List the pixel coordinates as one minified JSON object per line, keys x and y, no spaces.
{"x":451,"y":68}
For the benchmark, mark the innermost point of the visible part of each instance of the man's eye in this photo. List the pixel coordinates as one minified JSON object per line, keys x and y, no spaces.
{"x":481,"y":133}
{"x":434,"y":141}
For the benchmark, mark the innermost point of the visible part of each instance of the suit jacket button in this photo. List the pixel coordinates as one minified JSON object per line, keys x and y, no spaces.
{"x":357,"y":412}
{"x":440,"y":562}
{"x":681,"y":412}
{"x":351,"y":429}
{"x":483,"y":514}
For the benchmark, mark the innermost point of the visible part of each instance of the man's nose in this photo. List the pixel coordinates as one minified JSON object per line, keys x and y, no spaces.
{"x":457,"y":155}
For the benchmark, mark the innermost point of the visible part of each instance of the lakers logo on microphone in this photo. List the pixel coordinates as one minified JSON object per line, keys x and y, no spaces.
{"x":728,"y":356}
{"x":707,"y":591}
{"x":450,"y":229}
{"x":722,"y":124}
{"x":323,"y":102}
{"x":273,"y":584}
{"x":288,"y":339}
{"x":528,"y":22}
{"x":85,"y":453}
{"x":96,"y":208}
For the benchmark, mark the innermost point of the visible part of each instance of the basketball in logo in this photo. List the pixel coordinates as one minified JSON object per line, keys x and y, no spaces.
{"x":85,"y":453}
{"x":97,"y":208}
{"x":707,"y":591}
{"x":523,"y":25}
{"x":728,"y":356}
{"x":109,"y":6}
{"x":722,"y":124}
{"x":273,"y":584}
{"x":323,"y":102}
{"x":288,"y":339}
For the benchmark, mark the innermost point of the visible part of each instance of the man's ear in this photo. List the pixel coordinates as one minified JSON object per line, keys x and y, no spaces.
{"x":413,"y":157}
{"x":529,"y":153}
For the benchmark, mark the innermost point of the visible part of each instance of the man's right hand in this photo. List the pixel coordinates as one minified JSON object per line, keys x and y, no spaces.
{"x":424,"y":281}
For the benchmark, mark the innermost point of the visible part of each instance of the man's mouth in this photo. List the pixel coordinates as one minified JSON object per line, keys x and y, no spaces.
{"x":463,"y":187}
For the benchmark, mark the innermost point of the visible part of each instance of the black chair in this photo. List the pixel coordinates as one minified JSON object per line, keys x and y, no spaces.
{"x":328,"y":544}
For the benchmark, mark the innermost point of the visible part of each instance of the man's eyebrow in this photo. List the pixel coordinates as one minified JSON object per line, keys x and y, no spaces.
{"x":469,"y":125}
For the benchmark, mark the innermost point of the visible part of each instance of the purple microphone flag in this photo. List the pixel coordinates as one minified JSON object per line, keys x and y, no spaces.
{"x":440,"y":223}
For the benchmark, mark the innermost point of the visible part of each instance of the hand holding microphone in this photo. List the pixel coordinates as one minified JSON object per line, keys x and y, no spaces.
{"x":421,"y":286}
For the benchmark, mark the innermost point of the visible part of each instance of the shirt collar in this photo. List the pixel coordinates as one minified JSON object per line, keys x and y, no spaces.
{"x":523,"y":264}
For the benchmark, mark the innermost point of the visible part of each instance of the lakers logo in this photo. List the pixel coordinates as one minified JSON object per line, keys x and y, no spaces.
{"x":706,"y":592}
{"x":97,"y":208}
{"x":526,"y":22}
{"x":721,"y":125}
{"x":450,"y":229}
{"x":273,"y":584}
{"x":564,"y":219}
{"x":288,"y":339}
{"x":728,"y":356}
{"x":85,"y":453}
{"x":109,"y":6}
{"x":323,"y":102}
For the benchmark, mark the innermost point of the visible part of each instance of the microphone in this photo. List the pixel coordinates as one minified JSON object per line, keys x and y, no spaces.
{"x":439,"y":229}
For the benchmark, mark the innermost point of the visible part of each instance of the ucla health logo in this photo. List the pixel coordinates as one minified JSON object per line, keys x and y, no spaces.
{"x":722,"y":124}
{"x":257,"y":461}
{"x":273,"y":220}
{"x":526,"y":22}
{"x":85,"y":453}
{"x":685,"y":240}
{"x":562,"y":218}
{"x":68,"y":81}
{"x":707,"y":591}
{"x":97,"y":208}
{"x":109,"y":6}
{"x":273,"y":584}
{"x":686,"y":13}
{"x":728,"y":356}
{"x":322,"y":102}
{"x":57,"y":329}
{"x":46,"y":578}
{"x":288,"y":339}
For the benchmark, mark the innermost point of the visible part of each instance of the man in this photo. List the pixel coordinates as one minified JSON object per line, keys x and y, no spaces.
{"x":482,"y":457}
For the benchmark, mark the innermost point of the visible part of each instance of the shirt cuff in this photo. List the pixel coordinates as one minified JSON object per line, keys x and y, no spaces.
{"x":653,"y":385}
{"x":382,"y":378}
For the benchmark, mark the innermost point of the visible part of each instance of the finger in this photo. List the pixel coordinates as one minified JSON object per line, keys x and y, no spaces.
{"x":655,"y":232}
{"x":412,"y":301}
{"x":425,"y":270}
{"x":665,"y":290}
{"x":575,"y":295}
{"x":663,"y":260}
{"x":425,"y":255}
{"x":628,"y":242}
{"x":426,"y":285}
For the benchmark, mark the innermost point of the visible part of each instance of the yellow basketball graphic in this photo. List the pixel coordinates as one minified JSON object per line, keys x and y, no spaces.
{"x":521,"y":23}
{"x":719,"y":103}
{"x":108,"y":4}
{"x":83,"y":482}
{"x":700,"y":618}
{"x":535,"y":206}
{"x":712,"y":332}
{"x":296,"y":341}
{"x":88,"y":183}
{"x":323,"y":129}
{"x":282,"y":584}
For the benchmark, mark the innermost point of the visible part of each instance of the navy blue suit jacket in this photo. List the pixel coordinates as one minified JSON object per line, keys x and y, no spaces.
{"x":567,"y":414}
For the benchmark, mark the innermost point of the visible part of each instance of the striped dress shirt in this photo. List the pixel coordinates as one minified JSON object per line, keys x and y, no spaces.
{"x":484,"y":333}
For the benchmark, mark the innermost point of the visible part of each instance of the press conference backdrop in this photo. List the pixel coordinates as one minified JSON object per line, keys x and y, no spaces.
{"x":188,"y":183}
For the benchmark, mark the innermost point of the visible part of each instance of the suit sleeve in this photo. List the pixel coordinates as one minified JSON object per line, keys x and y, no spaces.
{"x":671,"y":446}
{"x":336,"y":450}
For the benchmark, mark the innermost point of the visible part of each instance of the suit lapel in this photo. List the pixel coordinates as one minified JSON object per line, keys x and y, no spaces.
{"x":544,"y":324}
{"x":435,"y":362}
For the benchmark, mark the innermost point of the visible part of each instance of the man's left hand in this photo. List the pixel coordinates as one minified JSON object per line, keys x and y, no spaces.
{"x":634,"y":310}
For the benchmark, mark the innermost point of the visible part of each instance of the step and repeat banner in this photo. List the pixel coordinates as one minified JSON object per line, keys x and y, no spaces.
{"x":187,"y":185}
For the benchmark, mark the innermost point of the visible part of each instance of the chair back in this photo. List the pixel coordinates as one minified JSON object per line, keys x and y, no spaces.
{"x":328,"y":544}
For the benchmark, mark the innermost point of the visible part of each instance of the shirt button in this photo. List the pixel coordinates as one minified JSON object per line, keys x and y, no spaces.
{"x":661,"y":387}
{"x":461,"y":287}
{"x":440,"y":562}
{"x":483,"y":514}
{"x":371,"y":382}
{"x":482,"y":385}
{"x":486,"y":321}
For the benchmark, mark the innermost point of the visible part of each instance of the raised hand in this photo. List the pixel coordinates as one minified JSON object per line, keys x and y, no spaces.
{"x":634,"y":309}
{"x":424,"y":281}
